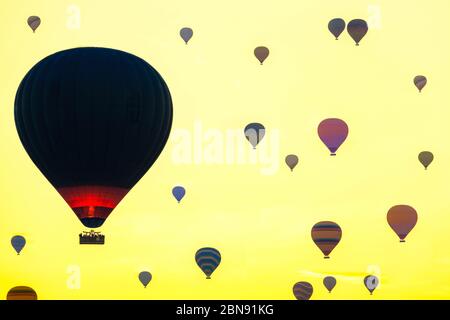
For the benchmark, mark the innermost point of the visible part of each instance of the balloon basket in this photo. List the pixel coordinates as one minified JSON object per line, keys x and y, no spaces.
{"x":326,"y":257}
{"x":91,"y":237}
{"x":208,"y":277}
{"x":402,"y":240}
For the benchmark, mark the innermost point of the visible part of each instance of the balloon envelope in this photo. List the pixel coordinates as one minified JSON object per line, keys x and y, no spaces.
{"x":329,"y":283}
{"x":186,"y":34}
{"x":254,"y":132}
{"x":371,"y":283}
{"x":291,"y":161}
{"x":402,"y":219}
{"x":303,"y":290}
{"x":145,"y":277}
{"x":93,"y":120}
{"x":425,"y":158}
{"x":34,"y":22}
{"x":178,"y":192}
{"x":336,"y":27}
{"x":326,"y":235}
{"x":21,"y":293}
{"x":333,"y":133}
{"x":18,"y":243}
{"x":357,"y":29}
{"x":420,"y":82}
{"x":208,"y":259}
{"x":261,"y":53}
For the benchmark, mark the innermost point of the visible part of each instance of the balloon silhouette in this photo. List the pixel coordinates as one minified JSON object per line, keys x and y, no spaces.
{"x":420,"y":82}
{"x":326,"y":235}
{"x":254,"y":132}
{"x":291,"y":161}
{"x":336,"y":27}
{"x":21,"y":293}
{"x":18,"y":243}
{"x":303,"y":290}
{"x":371,"y":283}
{"x":34,"y":22}
{"x":402,"y":219}
{"x":261,"y":53}
{"x":333,"y":133}
{"x":208,"y":259}
{"x":186,"y":34}
{"x":145,"y":277}
{"x":357,"y":29}
{"x":93,"y":120}
{"x":329,"y":283}
{"x":178,"y":192}
{"x":425,"y":158}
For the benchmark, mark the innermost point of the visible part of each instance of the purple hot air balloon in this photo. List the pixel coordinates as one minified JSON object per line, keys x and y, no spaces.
{"x":333,"y":133}
{"x":178,"y":192}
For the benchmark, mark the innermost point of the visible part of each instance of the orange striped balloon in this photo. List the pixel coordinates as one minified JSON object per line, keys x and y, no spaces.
{"x":326,"y":235}
{"x":21,"y":293}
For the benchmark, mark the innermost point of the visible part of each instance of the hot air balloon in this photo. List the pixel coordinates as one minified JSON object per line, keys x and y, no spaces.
{"x":254,"y":132}
{"x":178,"y":192}
{"x":425,"y":158}
{"x":333,"y":133}
{"x":291,"y":161}
{"x":186,"y":34}
{"x":93,"y":120}
{"x":336,"y":26}
{"x":208,"y":259}
{"x":326,"y":235}
{"x":402,"y":219}
{"x":261,"y":53}
{"x":21,"y":293}
{"x":303,"y":290}
{"x":18,"y":243}
{"x":371,"y":283}
{"x":329,"y":283}
{"x":420,"y":82}
{"x":357,"y":29}
{"x":145,"y":277}
{"x":34,"y":22}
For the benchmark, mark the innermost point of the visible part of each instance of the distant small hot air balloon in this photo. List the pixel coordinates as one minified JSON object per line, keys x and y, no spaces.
{"x":371,"y":283}
{"x":18,"y":243}
{"x":261,"y":53}
{"x":186,"y":34}
{"x":402,"y":219}
{"x":333,"y":133}
{"x":425,"y":158}
{"x":178,"y":192}
{"x":420,"y":82}
{"x":291,"y":161}
{"x":21,"y":293}
{"x":303,"y":290}
{"x":326,"y":235}
{"x":357,"y":29}
{"x":145,"y":277}
{"x":336,"y":26}
{"x":254,"y":132}
{"x":34,"y":22}
{"x":329,"y":283}
{"x":208,"y":259}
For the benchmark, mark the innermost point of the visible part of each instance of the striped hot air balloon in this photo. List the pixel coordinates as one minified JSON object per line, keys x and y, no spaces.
{"x":208,"y":259}
{"x":326,"y":235}
{"x":303,"y":290}
{"x":21,"y":293}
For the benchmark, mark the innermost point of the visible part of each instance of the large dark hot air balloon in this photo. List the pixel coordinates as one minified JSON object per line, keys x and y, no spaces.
{"x":93,"y":120}
{"x":302,"y":290}
{"x":371,"y":283}
{"x":402,"y":219}
{"x":336,"y":26}
{"x":357,"y":29}
{"x":329,"y":283}
{"x":21,"y":293}
{"x":425,"y":158}
{"x":333,"y":133}
{"x":326,"y":235}
{"x":208,"y":259}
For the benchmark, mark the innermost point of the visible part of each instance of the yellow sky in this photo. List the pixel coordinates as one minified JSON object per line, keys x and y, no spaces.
{"x":255,"y":211}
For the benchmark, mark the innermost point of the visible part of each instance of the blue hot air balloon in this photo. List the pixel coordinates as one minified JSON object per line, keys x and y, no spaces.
{"x":178,"y":192}
{"x":208,"y":259}
{"x":18,"y":243}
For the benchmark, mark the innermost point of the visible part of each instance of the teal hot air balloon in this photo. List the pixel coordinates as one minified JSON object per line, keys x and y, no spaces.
{"x":208,"y":259}
{"x":18,"y":243}
{"x":145,"y":277}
